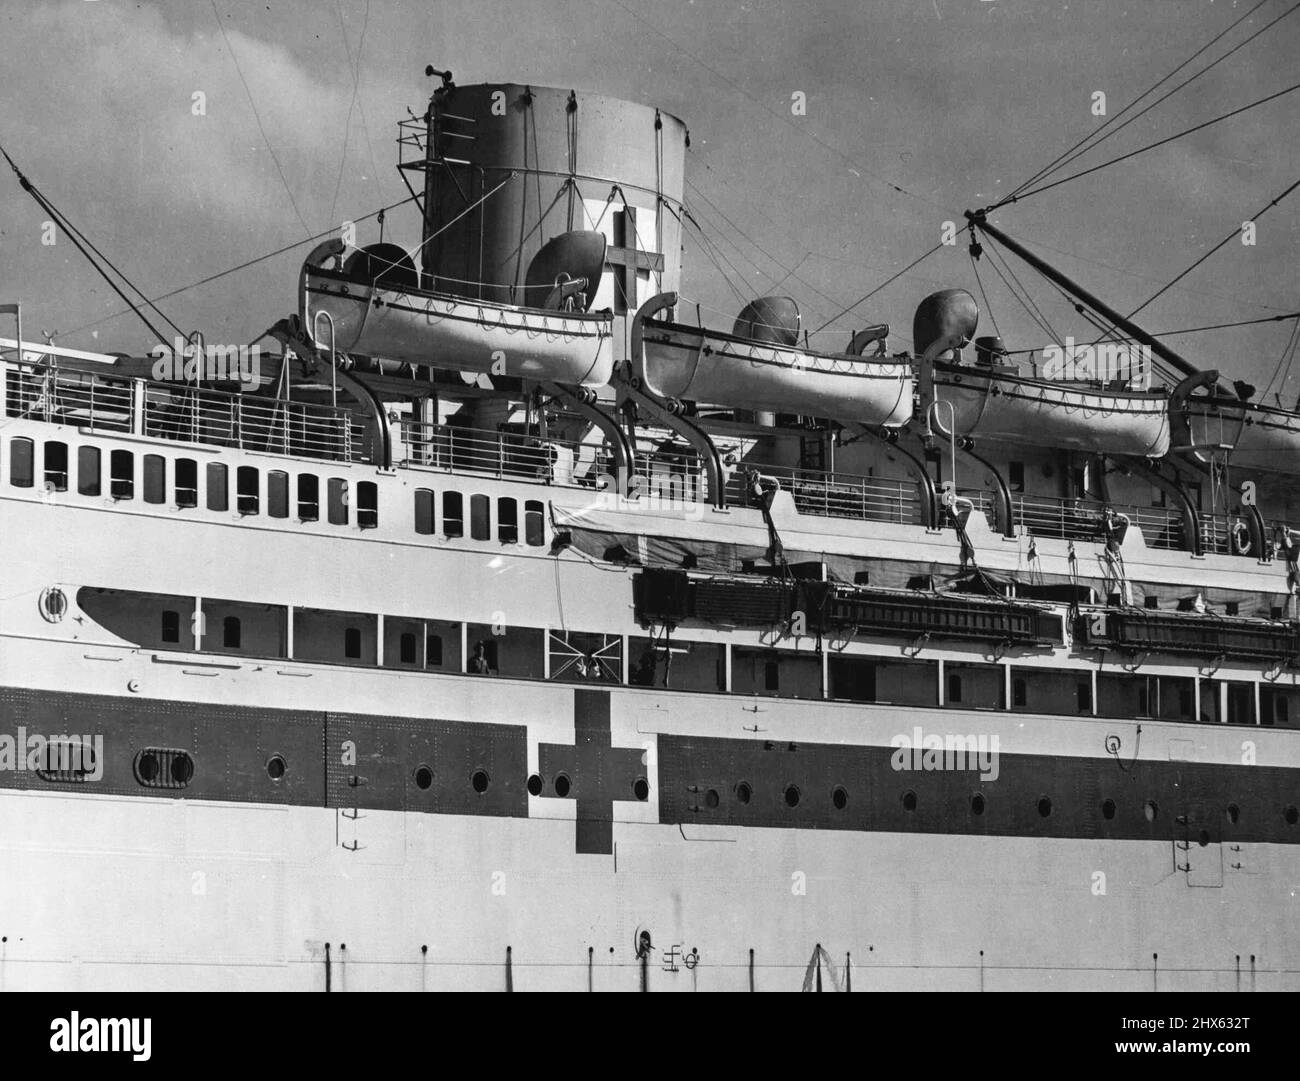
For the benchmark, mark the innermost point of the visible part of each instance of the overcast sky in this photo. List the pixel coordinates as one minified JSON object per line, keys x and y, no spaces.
{"x":955,"y":101}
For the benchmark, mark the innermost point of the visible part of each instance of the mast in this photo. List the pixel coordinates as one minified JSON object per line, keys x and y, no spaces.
{"x":978,"y":219}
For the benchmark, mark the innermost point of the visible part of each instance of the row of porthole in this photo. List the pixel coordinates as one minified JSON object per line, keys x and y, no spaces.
{"x":1150,"y":809}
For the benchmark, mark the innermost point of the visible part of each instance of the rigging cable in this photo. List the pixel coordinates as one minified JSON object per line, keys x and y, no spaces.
{"x":253,"y":105}
{"x":1231,"y":236}
{"x":888,"y":281}
{"x":355,"y":67}
{"x":74,"y":235}
{"x":1102,"y":133}
{"x":242,"y":266}
{"x":1143,"y":149}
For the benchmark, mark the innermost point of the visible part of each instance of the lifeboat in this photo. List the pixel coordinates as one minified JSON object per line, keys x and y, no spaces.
{"x":1258,"y":437}
{"x":996,"y":401}
{"x":368,"y":302}
{"x":761,"y":366}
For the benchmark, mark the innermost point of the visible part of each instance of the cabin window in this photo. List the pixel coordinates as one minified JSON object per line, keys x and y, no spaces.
{"x":1275,"y":706}
{"x":247,"y":495}
{"x":352,"y":643}
{"x":585,"y":657}
{"x":277,"y":494}
{"x":218,"y":487}
{"x":433,"y":651}
{"x":852,"y":678}
{"x":979,"y":686}
{"x":406,"y":648}
{"x":56,"y":466}
{"x":1083,"y":695}
{"x":337,"y":494}
{"x":480,"y":514}
{"x":88,"y":470}
{"x":1151,"y":600}
{"x":20,"y":462}
{"x":507,"y":521}
{"x":1016,"y":476}
{"x":367,"y":504}
{"x":453,"y":514}
{"x":954,"y":688}
{"x":534,"y":523}
{"x":771,"y":676}
{"x":230,"y":632}
{"x":1019,"y":693}
{"x":171,"y":627}
{"x":155,"y":478}
{"x":424,"y":514}
{"x":121,"y":468}
{"x":187,"y":482}
{"x":308,"y":497}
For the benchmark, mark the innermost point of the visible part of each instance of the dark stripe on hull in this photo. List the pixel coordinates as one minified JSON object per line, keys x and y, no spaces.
{"x":360,"y":761}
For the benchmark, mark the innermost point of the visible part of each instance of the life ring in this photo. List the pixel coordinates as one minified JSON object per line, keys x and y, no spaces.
{"x":1241,"y":542}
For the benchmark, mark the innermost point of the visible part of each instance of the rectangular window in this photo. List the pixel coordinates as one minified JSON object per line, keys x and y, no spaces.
{"x":121,"y":468}
{"x":218,"y":484}
{"x":308,"y":497}
{"x":20,"y":462}
{"x":155,"y":478}
{"x":231,"y":632}
{"x":1083,"y":696}
{"x":784,"y":673}
{"x":1019,"y":693}
{"x":453,"y":514}
{"x":171,"y":626}
{"x":480,"y":514}
{"x":433,"y":651}
{"x":277,"y":493}
{"x":247,"y":494}
{"x":56,"y":466}
{"x":337,"y":494}
{"x":982,"y":686}
{"x":507,"y":521}
{"x":534,"y":523}
{"x":88,"y":482}
{"x":954,"y":688}
{"x":424,"y":522}
{"x":852,"y":678}
{"x":187,"y":482}
{"x":406,"y":649}
{"x":367,"y":504}
{"x":352,"y":643}
{"x":1016,"y":476}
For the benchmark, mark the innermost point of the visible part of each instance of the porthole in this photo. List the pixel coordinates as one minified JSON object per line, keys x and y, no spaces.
{"x":711,"y":798}
{"x":839,"y":797}
{"x":641,"y":788}
{"x":1044,"y":807}
{"x":423,"y":778}
{"x":1233,"y":813}
{"x":67,"y":759}
{"x":562,"y":785}
{"x":977,"y":803}
{"x":1204,"y":838}
{"x":1150,"y":810}
{"x":909,"y":800}
{"x":275,"y":767}
{"x":1291,"y":815}
{"x":53,"y":604}
{"x":743,"y":792}
{"x":1108,"y":809}
{"x":479,"y":781}
{"x":792,"y":795}
{"x":158,"y":767}
{"x":534,"y":785}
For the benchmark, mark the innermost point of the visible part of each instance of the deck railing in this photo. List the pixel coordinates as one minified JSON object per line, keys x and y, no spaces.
{"x":102,"y":402}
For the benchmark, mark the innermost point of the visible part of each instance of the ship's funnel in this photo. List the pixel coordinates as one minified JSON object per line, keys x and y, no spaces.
{"x":950,"y":312}
{"x":769,"y":319}
{"x":568,"y":268}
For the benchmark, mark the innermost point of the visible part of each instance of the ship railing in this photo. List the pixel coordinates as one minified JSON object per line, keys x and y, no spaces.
{"x":837,"y":495}
{"x":457,"y":449}
{"x":184,"y":413}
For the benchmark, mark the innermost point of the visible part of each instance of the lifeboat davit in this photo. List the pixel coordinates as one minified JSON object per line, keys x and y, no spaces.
{"x":760,"y":365}
{"x":373,"y":300}
{"x":995,"y":401}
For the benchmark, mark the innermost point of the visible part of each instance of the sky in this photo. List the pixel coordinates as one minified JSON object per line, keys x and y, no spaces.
{"x":953,"y":101}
